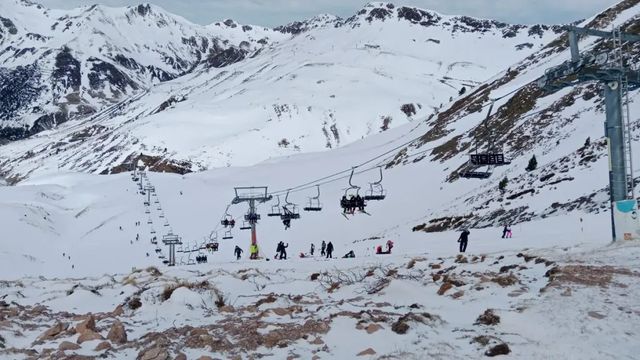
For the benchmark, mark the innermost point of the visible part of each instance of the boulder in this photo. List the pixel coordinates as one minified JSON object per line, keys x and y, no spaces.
{"x":54,"y":331}
{"x":117,"y":333}
{"x":67,"y":345}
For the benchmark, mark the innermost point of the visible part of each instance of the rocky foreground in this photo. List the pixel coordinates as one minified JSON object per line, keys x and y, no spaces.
{"x":554,"y":303}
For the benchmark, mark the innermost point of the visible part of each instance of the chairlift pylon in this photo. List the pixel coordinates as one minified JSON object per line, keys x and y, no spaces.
{"x":314,"y":202}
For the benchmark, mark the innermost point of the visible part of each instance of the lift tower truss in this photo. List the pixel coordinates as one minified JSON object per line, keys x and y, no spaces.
{"x":252,"y":195}
{"x":613,"y":70}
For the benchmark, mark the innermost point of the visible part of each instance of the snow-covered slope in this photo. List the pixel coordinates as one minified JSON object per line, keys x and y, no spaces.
{"x":335,"y":81}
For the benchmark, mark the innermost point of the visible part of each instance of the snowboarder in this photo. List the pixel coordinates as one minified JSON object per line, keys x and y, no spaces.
{"x":349,"y":255}
{"x":323,"y":248}
{"x":253,"y":251}
{"x":329,"y":250}
{"x":463,"y":240}
{"x":238,"y":252}
{"x":313,"y":248}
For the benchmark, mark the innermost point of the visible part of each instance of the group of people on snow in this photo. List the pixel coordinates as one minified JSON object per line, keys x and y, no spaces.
{"x":463,"y":239}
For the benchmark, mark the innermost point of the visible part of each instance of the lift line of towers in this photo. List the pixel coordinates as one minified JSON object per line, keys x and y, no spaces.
{"x":611,"y":70}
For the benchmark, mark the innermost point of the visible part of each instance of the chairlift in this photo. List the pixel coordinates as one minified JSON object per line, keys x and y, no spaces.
{"x":227,"y":235}
{"x":314,"y":202}
{"x":149,"y":221}
{"x":251,"y":218}
{"x":147,"y":211}
{"x":158,"y":250}
{"x":161,"y":215}
{"x":289,"y":212}
{"x":275,"y":209}
{"x":245,"y":225}
{"x":153,"y":231}
{"x":490,"y":158}
{"x":351,"y":200}
{"x":376,"y":191}
{"x":161,"y":256}
{"x":227,"y":219}
{"x":165,"y":262}
{"x":154,"y":240}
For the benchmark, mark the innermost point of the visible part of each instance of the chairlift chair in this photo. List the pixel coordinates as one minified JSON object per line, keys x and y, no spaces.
{"x":245,"y":225}
{"x":290,"y":210}
{"x":165,"y":262}
{"x":153,"y":231}
{"x":376,"y":191}
{"x":149,"y":221}
{"x":275,"y":209}
{"x":147,"y":211}
{"x":493,"y":156}
{"x":314,"y":202}
{"x":352,"y":193}
{"x":227,"y":235}
{"x":227,"y":219}
{"x":161,"y":215}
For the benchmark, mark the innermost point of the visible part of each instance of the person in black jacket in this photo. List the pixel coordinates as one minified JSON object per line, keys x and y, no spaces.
{"x":463,"y":240}
{"x":329,"y":250}
{"x":238,"y":252}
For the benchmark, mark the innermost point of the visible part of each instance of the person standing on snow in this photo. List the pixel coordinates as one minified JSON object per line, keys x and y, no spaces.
{"x":463,"y":240}
{"x":505,"y":230}
{"x":253,"y":251}
{"x":323,"y":248}
{"x":313,"y":248}
{"x":283,"y":250}
{"x":238,"y":252}
{"x":329,"y":250}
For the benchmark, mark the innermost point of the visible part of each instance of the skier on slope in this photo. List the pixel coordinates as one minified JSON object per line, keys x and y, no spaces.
{"x":323,"y":248}
{"x":329,"y":250}
{"x":238,"y":252}
{"x":313,"y":248}
{"x":463,"y":240}
{"x":282,"y":249}
{"x":504,"y":231}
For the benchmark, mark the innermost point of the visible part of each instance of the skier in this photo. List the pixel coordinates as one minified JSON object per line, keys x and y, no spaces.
{"x":329,"y":250}
{"x":238,"y":252}
{"x":509,"y":232}
{"x":463,"y":240}
{"x":253,"y":251}
{"x":313,"y":248}
{"x":505,"y":230}
{"x":323,"y":248}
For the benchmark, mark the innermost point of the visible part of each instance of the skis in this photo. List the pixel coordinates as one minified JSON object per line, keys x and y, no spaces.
{"x":360,"y":211}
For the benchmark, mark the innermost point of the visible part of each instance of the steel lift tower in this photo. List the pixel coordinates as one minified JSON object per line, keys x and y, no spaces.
{"x":613,"y":70}
{"x":252,"y":195}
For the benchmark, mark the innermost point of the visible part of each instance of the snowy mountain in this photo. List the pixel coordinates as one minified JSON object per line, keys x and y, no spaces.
{"x":72,"y":64}
{"x":333,"y":82}
{"x":82,"y":276}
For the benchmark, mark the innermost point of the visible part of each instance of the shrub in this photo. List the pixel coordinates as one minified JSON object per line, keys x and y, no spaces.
{"x":533,"y":164}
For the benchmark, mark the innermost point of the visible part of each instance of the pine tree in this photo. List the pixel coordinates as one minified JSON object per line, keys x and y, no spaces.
{"x":533,"y":164}
{"x":503,"y":184}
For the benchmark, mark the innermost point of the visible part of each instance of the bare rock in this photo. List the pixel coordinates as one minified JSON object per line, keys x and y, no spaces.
{"x":88,"y":324}
{"x":156,"y":353}
{"x":227,"y":309}
{"x":458,"y":294}
{"x":371,"y":328}
{"x":500,"y":349}
{"x":444,"y":288}
{"x":68,"y":345}
{"x":105,"y":345}
{"x":317,"y":341}
{"x":400,"y":327}
{"x":488,"y":318}
{"x":54,"y":331}
{"x":367,"y":352}
{"x":88,"y":335}
{"x":117,"y":333}
{"x":180,"y":356}
{"x":204,"y":357}
{"x":118,"y":311}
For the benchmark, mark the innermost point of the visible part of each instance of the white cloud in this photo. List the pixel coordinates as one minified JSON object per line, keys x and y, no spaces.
{"x":275,"y":12}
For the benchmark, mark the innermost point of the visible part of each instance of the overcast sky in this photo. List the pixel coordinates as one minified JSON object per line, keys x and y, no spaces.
{"x":277,"y":12}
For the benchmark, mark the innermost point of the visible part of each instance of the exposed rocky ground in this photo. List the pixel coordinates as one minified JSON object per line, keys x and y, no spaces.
{"x":401,"y":307}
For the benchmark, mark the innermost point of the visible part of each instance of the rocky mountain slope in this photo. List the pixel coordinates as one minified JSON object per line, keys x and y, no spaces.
{"x":307,"y":86}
